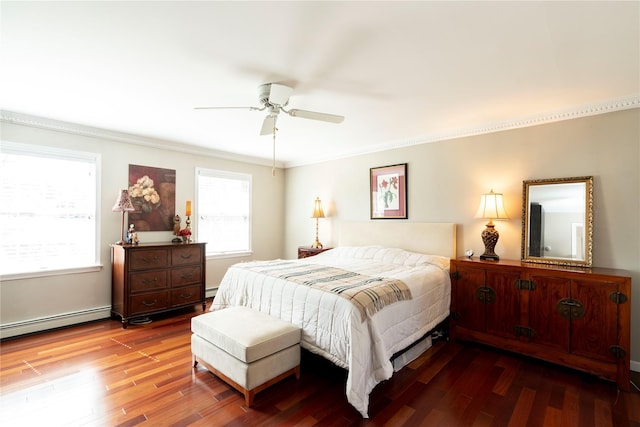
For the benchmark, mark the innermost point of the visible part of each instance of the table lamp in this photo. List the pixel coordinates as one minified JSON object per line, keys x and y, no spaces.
{"x":491,"y":207}
{"x":123,"y":204}
{"x":317,"y":213}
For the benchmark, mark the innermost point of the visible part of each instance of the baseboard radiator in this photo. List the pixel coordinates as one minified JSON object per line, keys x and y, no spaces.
{"x":13,"y":329}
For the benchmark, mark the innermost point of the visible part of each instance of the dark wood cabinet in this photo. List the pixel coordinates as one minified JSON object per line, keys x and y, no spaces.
{"x":156,"y":277}
{"x":576,"y":317}
{"x":307,"y":251}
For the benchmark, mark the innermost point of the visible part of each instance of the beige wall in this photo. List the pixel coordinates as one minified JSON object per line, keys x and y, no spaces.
{"x":29,"y":305}
{"x":446,"y":179}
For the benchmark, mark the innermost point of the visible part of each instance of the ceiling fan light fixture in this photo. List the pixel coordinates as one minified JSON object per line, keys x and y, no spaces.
{"x":269,"y":124}
{"x":273,"y":94}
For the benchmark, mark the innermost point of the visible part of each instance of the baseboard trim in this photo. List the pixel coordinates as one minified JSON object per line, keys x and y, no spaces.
{"x":40,"y":324}
{"x":210,"y":292}
{"x":635,"y":366}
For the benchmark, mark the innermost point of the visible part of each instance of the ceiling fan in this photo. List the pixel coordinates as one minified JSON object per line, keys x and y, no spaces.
{"x":273,"y":98}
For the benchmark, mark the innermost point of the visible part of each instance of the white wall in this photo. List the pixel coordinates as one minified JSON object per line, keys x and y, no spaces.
{"x":446,"y":179}
{"x":29,"y":305}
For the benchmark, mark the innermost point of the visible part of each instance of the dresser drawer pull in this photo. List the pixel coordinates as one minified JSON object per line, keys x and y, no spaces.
{"x":152,"y":260}
{"x":150,"y":304}
{"x":186,"y":275}
{"x":187,"y":256}
{"x":185,"y":296}
{"x":150,"y":281}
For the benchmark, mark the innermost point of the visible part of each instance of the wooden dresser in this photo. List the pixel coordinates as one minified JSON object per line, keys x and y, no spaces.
{"x":572,"y":316}
{"x":156,"y":277}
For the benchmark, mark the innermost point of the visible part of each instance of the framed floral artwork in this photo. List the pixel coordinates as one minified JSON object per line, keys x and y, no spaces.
{"x":389,"y":192}
{"x":153,"y":194}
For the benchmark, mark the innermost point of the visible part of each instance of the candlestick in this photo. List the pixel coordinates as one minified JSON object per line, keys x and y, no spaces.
{"x":188,"y":227}
{"x":188,"y":208}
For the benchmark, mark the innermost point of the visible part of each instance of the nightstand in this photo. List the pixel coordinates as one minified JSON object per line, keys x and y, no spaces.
{"x":307,"y":251}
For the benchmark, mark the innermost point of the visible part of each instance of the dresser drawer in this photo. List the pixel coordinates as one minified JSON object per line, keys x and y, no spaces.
{"x":146,"y":259}
{"x":148,"y":280}
{"x":188,"y":295}
{"x":185,"y":276}
{"x":149,"y":302}
{"x":186,"y":255}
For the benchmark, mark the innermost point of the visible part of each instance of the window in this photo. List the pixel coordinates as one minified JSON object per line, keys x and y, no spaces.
{"x":48,"y":209}
{"x":223,"y":211}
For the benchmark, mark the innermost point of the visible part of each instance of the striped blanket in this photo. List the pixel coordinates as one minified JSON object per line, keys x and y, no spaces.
{"x":368,"y":294}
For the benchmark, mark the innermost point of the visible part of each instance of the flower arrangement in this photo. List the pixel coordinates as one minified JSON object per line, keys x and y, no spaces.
{"x":185,"y":232}
{"x":389,"y":190}
{"x":144,"y":194}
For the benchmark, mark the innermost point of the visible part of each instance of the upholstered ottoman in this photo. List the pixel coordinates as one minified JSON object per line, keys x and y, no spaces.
{"x":247,"y":349}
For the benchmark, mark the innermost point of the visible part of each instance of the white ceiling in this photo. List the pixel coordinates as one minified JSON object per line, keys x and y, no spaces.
{"x":400,"y":72}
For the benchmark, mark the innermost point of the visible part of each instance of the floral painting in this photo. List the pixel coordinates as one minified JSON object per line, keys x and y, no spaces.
{"x":389,"y":191}
{"x":153,"y":194}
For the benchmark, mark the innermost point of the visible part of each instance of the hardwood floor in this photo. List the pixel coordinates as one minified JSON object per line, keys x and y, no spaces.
{"x":100,"y":374}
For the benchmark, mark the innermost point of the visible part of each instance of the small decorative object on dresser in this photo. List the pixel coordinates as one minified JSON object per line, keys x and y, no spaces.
{"x":176,"y":229}
{"x":576,"y":317}
{"x":307,"y":251}
{"x":156,"y":277}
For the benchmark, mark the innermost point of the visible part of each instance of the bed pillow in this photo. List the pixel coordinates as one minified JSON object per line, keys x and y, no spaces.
{"x":386,"y":255}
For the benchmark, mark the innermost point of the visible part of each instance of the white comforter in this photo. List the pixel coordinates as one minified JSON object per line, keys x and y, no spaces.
{"x":333,"y":328}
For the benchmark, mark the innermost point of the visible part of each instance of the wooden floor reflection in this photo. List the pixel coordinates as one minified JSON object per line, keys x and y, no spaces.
{"x":100,"y":374}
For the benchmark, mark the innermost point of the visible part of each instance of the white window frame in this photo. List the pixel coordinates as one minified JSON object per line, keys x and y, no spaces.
{"x":11,"y":147}
{"x":215,"y":173}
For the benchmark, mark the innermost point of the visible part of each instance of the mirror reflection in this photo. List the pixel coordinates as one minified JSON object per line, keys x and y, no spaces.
{"x":557,"y":224}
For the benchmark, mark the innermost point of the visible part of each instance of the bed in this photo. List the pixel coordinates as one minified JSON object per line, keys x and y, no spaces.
{"x":407,"y":265}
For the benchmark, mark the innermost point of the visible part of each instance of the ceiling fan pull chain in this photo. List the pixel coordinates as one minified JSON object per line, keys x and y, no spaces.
{"x":273,"y":167}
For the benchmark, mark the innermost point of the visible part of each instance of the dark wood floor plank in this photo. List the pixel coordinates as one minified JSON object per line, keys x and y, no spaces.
{"x":571,"y":408}
{"x":474,"y":412}
{"x":101,"y":374}
{"x":521,"y":411}
{"x":553,"y":417}
{"x":510,"y":367}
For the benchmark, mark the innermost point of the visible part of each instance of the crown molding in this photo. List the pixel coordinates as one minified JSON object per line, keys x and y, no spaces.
{"x":610,"y":106}
{"x":78,"y":129}
{"x":617,"y":104}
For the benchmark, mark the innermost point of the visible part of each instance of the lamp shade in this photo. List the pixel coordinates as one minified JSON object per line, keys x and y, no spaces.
{"x":317,"y":209}
{"x":491,"y":207}
{"x":123,"y":203}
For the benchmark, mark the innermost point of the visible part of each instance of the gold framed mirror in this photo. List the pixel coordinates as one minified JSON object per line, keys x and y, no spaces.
{"x":557,"y":221}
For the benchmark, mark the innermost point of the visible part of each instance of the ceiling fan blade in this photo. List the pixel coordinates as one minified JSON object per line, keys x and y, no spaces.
{"x":331,"y":118}
{"x":229,"y":108}
{"x":279,"y":94}
{"x":268,"y":124}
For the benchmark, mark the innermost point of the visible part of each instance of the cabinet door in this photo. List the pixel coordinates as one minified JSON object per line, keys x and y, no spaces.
{"x":470,"y":311}
{"x":593,"y":333}
{"x":503,"y":313}
{"x":549,"y":327}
